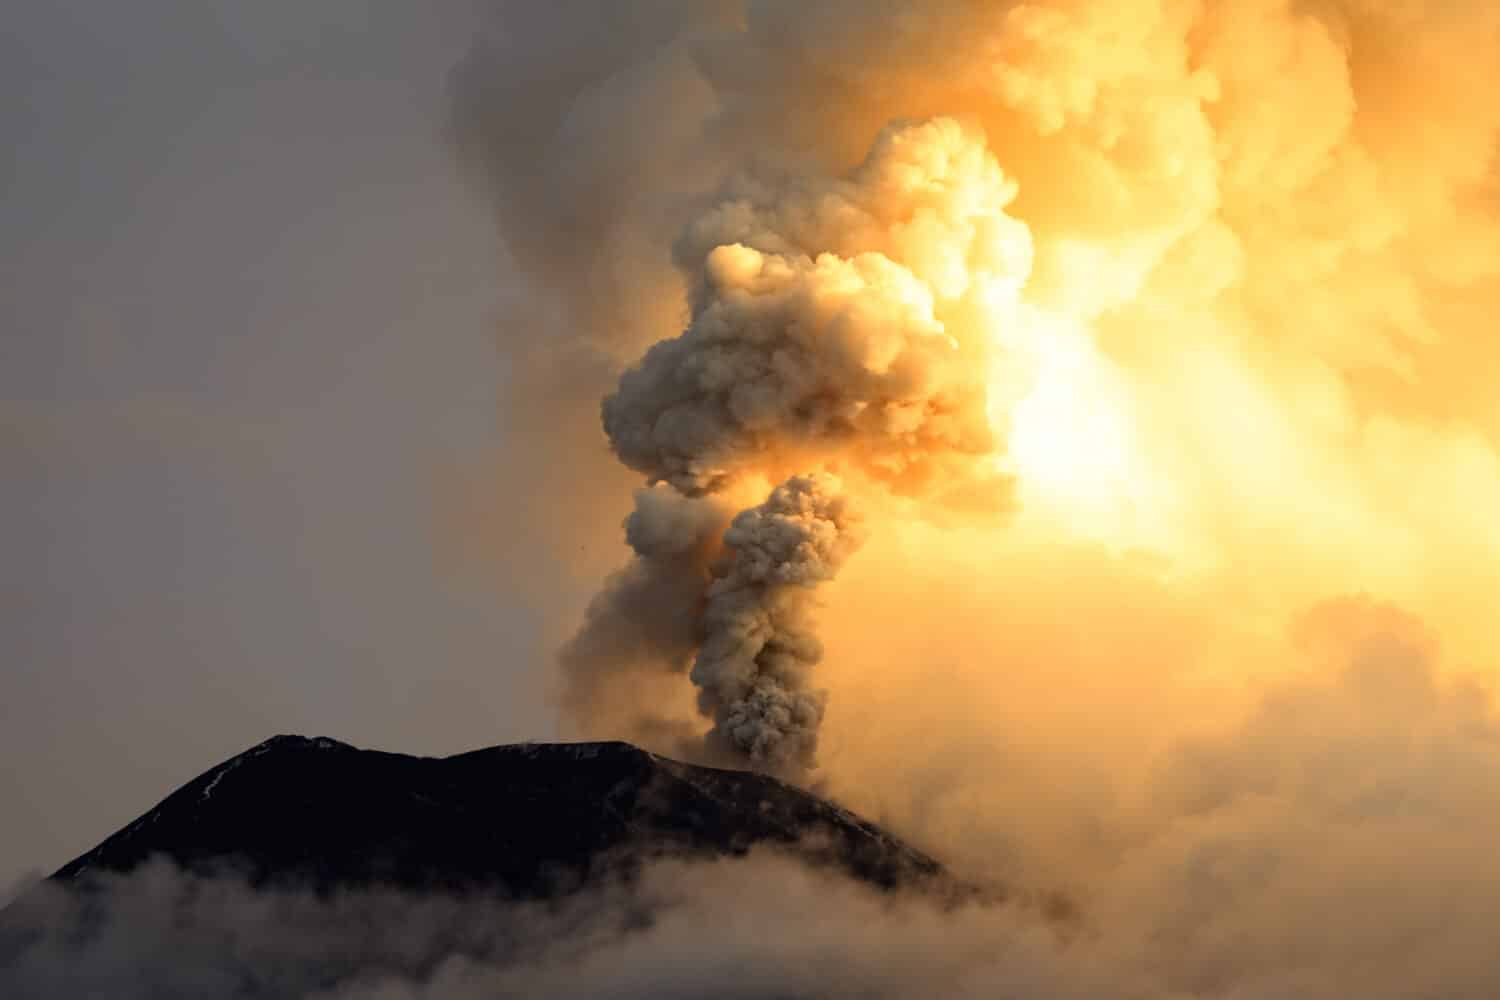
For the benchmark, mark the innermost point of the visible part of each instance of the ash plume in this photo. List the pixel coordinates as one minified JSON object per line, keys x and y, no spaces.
{"x":759,"y":647}
{"x":829,"y":328}
{"x":823,"y":323}
{"x":1221,"y":279}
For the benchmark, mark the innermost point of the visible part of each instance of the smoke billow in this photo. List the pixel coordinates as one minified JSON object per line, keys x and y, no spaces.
{"x":825,"y":323}
{"x":834,"y":322}
{"x":1204,"y":286}
{"x":759,"y":648}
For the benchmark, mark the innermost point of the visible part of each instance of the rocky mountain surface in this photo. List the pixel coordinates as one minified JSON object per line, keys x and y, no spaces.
{"x":525,"y":820}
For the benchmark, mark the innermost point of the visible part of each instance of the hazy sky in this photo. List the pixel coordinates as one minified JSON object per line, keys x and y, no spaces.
{"x":245,"y":342}
{"x":291,"y":445}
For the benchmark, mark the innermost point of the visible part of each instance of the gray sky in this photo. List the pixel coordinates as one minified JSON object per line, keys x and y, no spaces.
{"x":245,"y":351}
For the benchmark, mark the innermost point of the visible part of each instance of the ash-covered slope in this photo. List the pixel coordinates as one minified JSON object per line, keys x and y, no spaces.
{"x":528,"y":820}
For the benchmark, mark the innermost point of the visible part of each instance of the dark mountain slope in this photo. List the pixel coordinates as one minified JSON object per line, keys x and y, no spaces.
{"x":528,"y":820}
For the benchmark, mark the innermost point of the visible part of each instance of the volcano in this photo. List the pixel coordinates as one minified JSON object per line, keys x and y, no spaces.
{"x":525,"y":821}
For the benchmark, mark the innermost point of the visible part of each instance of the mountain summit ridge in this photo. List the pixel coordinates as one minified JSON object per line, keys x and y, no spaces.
{"x":527,"y":820}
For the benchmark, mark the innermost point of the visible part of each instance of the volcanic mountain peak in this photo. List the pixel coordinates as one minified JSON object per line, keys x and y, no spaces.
{"x":524,"y":820}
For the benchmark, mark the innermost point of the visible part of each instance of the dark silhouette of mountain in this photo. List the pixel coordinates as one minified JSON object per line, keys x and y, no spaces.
{"x":528,"y":820}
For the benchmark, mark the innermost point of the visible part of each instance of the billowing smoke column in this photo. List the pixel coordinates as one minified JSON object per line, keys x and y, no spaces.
{"x":835,"y":324}
{"x":835,"y":320}
{"x":759,"y":647}
{"x":1256,"y":373}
